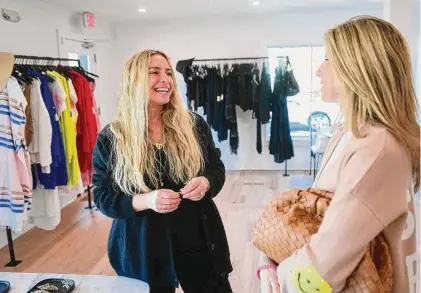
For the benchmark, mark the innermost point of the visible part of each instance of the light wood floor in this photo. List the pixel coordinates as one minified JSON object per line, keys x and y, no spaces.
{"x":79,"y":244}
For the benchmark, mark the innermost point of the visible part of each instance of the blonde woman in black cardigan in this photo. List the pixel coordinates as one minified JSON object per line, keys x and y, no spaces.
{"x":156,"y":172}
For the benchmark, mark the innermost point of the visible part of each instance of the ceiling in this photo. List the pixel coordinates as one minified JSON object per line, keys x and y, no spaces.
{"x":121,"y":10}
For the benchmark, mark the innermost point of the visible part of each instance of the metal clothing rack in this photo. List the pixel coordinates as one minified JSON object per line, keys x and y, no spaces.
{"x":286,"y":174}
{"x":90,"y":205}
{"x":48,"y":61}
{"x":25,"y":58}
{"x":38,"y":61}
{"x":234,"y":59}
{"x":286,"y":169}
{"x":13,"y":262}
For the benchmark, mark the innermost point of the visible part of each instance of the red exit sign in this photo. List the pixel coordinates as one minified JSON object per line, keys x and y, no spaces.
{"x":88,"y":20}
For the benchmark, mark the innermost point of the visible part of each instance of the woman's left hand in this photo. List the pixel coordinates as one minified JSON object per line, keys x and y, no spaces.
{"x":195,"y":189}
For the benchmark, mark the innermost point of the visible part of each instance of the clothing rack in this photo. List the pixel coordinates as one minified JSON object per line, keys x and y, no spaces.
{"x":48,"y":61}
{"x":90,"y":205}
{"x":234,"y":59}
{"x":13,"y":262}
{"x":286,"y":169}
{"x":183,"y":64}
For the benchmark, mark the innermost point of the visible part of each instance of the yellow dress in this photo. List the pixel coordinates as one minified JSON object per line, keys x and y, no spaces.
{"x":68,"y":120}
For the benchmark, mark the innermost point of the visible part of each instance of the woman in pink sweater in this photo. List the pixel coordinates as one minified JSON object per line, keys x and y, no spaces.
{"x":372,"y":163}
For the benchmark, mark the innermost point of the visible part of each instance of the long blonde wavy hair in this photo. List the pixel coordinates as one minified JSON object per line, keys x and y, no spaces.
{"x":133,"y":151}
{"x":372,"y":59}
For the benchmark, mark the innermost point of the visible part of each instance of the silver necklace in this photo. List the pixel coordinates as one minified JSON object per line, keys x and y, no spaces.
{"x":160,"y":167}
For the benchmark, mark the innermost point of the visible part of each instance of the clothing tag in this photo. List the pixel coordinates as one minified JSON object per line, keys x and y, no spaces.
{"x":56,"y":117}
{"x":218,"y":98}
{"x":222,"y":97}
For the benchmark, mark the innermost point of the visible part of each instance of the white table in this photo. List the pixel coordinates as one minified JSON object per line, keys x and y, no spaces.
{"x":21,"y":283}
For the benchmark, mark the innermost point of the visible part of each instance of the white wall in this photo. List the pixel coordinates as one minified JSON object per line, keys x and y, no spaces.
{"x":228,"y":37}
{"x":36,"y":34}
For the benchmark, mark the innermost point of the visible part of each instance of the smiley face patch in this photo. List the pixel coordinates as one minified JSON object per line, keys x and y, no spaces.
{"x":307,"y":280}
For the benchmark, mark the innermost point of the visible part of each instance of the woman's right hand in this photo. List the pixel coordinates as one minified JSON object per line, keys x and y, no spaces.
{"x":269,"y":281}
{"x":161,"y":201}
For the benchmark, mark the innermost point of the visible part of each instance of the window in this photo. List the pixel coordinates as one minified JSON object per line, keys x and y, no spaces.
{"x":84,"y":60}
{"x":305,"y":61}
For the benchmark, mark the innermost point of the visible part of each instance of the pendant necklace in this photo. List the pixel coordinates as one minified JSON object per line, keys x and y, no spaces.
{"x":159,"y":147}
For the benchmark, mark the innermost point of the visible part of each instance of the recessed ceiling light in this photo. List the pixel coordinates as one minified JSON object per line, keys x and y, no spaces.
{"x":255,"y":3}
{"x":142,"y":10}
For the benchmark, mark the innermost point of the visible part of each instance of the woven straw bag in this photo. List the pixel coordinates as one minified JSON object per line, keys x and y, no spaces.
{"x":292,"y":217}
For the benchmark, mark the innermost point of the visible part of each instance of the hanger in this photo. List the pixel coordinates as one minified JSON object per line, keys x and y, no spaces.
{"x":20,"y":72}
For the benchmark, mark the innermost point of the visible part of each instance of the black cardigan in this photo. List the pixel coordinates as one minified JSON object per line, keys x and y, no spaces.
{"x":139,"y":244}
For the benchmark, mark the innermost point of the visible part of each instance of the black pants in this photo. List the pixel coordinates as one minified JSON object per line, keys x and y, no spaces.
{"x":196,"y":275}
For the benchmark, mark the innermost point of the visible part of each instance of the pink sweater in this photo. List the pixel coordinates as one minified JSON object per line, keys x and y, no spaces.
{"x":372,"y":182}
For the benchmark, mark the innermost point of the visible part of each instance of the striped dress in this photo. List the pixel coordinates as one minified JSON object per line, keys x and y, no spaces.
{"x":15,"y":171}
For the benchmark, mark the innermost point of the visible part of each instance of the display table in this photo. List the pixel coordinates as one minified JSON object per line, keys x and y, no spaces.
{"x":21,"y":283}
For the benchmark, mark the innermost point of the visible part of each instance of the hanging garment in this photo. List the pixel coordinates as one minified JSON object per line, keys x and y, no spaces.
{"x":59,"y":95}
{"x":211,"y":96}
{"x":68,"y":131}
{"x":231,"y":94}
{"x":245,"y":86}
{"x":40,"y":148}
{"x":29,"y":126}
{"x":264,"y":95}
{"x":15,"y":174}
{"x":255,"y":87}
{"x":231,"y":97}
{"x":87,"y":130}
{"x":73,"y":102}
{"x":201,"y":84}
{"x":280,"y":145}
{"x":223,"y":123}
{"x":98,"y":123}
{"x":234,"y":138}
{"x":184,"y":67}
{"x":46,"y":210}
{"x":58,"y":175}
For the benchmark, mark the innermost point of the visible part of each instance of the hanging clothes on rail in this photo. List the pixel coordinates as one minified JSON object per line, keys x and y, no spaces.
{"x":56,"y":120}
{"x":220,"y":88}
{"x":58,"y":175}
{"x":68,"y":120}
{"x":15,"y":170}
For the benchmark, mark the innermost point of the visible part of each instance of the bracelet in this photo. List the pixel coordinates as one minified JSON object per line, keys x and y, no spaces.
{"x":264,"y":267}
